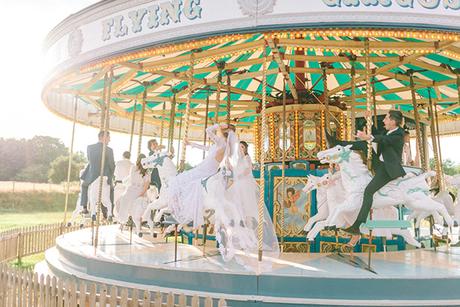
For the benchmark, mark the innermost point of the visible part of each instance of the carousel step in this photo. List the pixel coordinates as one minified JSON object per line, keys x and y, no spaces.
{"x":376,"y":224}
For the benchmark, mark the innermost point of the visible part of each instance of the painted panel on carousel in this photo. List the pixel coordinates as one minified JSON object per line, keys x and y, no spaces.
{"x":294,"y":208}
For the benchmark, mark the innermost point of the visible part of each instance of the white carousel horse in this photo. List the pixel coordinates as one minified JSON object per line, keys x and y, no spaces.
{"x":166,"y":170}
{"x":411,"y":191}
{"x":140,"y":207}
{"x":78,"y":210}
{"x":330,"y":194}
{"x":93,"y":194}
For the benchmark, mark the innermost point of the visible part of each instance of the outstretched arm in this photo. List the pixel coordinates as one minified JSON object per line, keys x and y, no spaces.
{"x":332,"y":141}
{"x":356,"y":145}
{"x":198,"y":146}
{"x":211,"y":132}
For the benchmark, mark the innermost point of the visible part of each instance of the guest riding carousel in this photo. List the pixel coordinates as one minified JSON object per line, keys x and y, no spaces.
{"x":282,"y":73}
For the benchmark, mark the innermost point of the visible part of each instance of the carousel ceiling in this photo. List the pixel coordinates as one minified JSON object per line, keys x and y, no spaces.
{"x":233,"y":67}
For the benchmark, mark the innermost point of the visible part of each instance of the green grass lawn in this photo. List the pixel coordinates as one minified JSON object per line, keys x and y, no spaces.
{"x":33,"y":208}
{"x":28,"y":262}
{"x":13,"y":220}
{"x":21,"y":209}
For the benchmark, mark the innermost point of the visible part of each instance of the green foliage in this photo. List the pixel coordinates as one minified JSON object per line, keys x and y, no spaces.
{"x":29,"y":160}
{"x":58,"y":169}
{"x":449,"y":167}
{"x":33,"y":173}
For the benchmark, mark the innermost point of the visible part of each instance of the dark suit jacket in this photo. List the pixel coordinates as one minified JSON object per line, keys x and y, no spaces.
{"x":92,"y":171}
{"x":389,"y":146}
{"x":155,"y":176}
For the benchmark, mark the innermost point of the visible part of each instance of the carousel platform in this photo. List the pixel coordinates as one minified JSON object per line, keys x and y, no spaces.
{"x":404,"y":278}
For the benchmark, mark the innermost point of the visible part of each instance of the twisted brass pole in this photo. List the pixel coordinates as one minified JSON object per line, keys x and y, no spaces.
{"x":261,"y":205}
{"x":133,"y":120}
{"x":172,"y":121}
{"x":283,"y":171}
{"x":141,"y":125}
{"x":187,"y":111}
{"x":353,"y":101}
{"x":69,"y":166}
{"x":418,"y":138}
{"x":104,"y":150}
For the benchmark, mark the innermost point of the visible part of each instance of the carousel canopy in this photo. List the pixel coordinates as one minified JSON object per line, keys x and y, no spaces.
{"x":222,"y":76}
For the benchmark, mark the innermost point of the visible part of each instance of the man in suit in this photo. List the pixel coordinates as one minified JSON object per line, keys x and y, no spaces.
{"x":154,"y":176}
{"x":93,"y":169}
{"x":386,"y":163}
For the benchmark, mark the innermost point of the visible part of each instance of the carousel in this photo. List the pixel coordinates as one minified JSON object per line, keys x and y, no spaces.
{"x":283,"y":73}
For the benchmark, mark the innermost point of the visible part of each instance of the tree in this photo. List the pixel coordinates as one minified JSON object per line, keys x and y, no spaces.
{"x":29,"y":160}
{"x":449,"y":167}
{"x":12,"y":157}
{"x":58,"y":169}
{"x":33,"y":173}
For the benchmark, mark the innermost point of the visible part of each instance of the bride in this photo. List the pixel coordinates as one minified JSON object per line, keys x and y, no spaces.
{"x":234,"y":193}
{"x":185,"y":191}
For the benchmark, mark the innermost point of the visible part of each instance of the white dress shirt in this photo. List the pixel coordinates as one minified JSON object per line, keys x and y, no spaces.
{"x":122,"y":169}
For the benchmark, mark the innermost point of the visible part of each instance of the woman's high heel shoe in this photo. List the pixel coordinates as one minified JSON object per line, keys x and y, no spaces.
{"x":354,"y":240}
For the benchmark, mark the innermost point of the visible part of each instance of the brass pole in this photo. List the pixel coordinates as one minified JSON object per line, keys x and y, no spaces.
{"x":439,"y":146}
{"x":353,"y":101}
{"x":101,"y":128}
{"x":283,"y":171}
{"x":369,"y":129}
{"x":172,"y":121}
{"x":69,"y":166}
{"x":458,"y":88}
{"x":133,"y":121}
{"x":206,"y":124}
{"x":261,"y":204}
{"x":179,"y":137}
{"x":220,"y":67}
{"x":162,"y":126}
{"x":104,"y":150}
{"x":374,"y":103}
{"x":187,"y":110}
{"x":368,"y":102}
{"x":434,"y":141}
{"x":326,"y":98}
{"x":141,"y":125}
{"x":229,"y":98}
{"x":418,"y":139}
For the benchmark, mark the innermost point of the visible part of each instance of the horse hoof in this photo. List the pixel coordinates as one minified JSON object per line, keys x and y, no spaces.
{"x":110,"y":219}
{"x":69,"y":224}
{"x":93,"y":218}
{"x":81,"y":226}
{"x":140,"y":235}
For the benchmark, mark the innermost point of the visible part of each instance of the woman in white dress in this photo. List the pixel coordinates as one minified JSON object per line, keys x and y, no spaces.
{"x":134,"y":199}
{"x":235,"y":199}
{"x":185,"y":191}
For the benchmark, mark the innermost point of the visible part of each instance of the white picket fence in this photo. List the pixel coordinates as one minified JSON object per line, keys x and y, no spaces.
{"x":23,"y":288}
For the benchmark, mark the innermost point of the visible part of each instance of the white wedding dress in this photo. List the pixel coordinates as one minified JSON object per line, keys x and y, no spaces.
{"x":235,"y":199}
{"x":131,"y":203}
{"x":185,"y":191}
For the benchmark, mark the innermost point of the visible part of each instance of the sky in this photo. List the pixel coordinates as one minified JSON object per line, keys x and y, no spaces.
{"x":25,"y":24}
{"x":23,"y":113}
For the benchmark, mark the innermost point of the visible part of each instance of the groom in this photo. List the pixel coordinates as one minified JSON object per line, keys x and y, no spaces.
{"x":93,"y":168}
{"x":386,"y":163}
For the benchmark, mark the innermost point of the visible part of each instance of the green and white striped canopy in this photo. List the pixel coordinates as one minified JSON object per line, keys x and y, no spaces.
{"x":234,"y":65}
